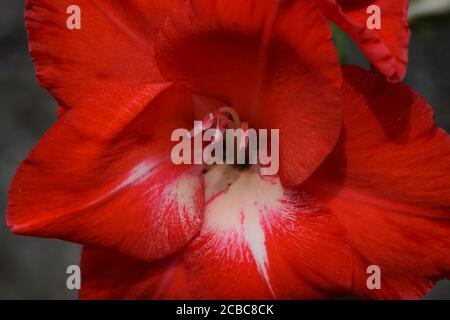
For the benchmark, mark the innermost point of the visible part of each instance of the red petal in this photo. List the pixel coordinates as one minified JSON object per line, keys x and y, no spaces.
{"x":262,"y":58}
{"x":109,"y":275}
{"x":261,"y":241}
{"x":388,"y":183}
{"x":103,"y":176}
{"x":114,"y":46}
{"x":386,"y":48}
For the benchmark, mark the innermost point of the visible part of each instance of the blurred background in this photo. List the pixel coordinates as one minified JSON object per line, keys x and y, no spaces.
{"x":33,"y":268}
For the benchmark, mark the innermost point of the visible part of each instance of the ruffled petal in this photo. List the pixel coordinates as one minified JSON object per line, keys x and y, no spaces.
{"x":113,"y":48}
{"x":262,"y":241}
{"x":103,"y":176}
{"x":387,"y":48}
{"x":388,"y":183}
{"x":273,"y":61}
{"x":108,"y":275}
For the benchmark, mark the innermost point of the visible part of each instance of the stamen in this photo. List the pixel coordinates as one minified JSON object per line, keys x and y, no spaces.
{"x":234,"y":115}
{"x":205,"y":124}
{"x":222,"y":119}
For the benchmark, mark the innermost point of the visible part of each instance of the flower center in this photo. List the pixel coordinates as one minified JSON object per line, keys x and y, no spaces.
{"x":223,"y":121}
{"x":222,"y":138}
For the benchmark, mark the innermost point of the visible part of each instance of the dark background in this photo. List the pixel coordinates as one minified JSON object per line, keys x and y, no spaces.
{"x":33,"y":268}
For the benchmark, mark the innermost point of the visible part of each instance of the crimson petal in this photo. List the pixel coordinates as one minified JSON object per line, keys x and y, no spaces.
{"x":103,"y":176}
{"x":273,"y":61}
{"x":387,"y":48}
{"x":388,"y":183}
{"x":109,"y":275}
{"x":262,"y":241}
{"x":114,"y":46}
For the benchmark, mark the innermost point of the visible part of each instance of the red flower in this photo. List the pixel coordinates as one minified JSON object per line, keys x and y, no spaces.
{"x":375,"y":193}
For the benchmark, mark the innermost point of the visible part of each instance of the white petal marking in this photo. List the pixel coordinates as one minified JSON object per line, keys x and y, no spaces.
{"x":240,"y":211}
{"x":218,"y":179}
{"x":138,"y":174}
{"x":183,"y":191}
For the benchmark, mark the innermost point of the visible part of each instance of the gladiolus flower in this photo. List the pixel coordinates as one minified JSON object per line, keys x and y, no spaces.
{"x":363,"y":174}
